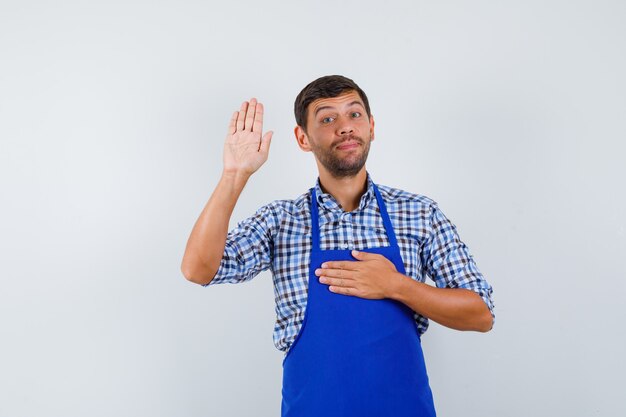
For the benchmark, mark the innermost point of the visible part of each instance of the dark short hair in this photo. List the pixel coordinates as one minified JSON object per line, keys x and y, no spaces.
{"x":325,"y":87}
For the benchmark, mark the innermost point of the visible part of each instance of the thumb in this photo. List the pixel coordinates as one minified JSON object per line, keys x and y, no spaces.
{"x":265,"y":142}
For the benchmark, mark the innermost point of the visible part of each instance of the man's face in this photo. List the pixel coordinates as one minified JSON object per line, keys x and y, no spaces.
{"x":339,"y":133}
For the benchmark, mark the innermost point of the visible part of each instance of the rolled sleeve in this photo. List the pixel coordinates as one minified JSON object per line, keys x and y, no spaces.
{"x":448,"y":260}
{"x":248,"y":249}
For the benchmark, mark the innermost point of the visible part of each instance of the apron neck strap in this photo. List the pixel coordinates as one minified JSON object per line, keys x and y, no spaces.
{"x":315,"y":232}
{"x":386,"y":220}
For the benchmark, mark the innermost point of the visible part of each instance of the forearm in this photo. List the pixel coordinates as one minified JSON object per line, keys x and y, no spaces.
{"x":457,"y":308}
{"x":205,"y":246}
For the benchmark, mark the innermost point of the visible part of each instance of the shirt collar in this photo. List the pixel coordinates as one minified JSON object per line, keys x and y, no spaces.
{"x":328,"y":202}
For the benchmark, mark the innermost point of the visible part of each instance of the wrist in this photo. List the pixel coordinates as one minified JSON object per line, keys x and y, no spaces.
{"x":238,"y":176}
{"x":234,"y":180}
{"x":397,"y":286}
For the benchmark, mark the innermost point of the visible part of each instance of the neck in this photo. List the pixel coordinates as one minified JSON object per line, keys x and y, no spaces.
{"x":347,"y":190}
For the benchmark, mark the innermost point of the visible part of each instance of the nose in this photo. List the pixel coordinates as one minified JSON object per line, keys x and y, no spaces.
{"x":345,"y":126}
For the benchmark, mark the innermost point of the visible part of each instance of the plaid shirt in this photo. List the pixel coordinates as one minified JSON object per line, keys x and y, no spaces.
{"x":278,"y":237}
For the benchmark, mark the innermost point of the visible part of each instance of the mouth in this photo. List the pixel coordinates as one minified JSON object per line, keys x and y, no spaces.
{"x":348,"y":144}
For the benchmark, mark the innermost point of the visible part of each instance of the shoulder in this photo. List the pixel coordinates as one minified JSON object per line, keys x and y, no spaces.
{"x":290,"y":208}
{"x":415,"y":211}
{"x":401,"y":198}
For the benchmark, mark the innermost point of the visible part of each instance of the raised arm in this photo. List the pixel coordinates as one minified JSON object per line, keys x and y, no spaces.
{"x":245,"y":150}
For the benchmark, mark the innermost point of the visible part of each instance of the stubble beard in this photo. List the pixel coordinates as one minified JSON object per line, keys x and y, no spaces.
{"x":346,"y":166}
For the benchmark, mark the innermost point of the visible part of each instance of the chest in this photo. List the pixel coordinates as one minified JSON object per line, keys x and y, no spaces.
{"x":293,"y":242}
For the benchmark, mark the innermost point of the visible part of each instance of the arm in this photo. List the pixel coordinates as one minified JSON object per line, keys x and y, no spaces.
{"x":245,"y":150}
{"x":462,"y":300}
{"x":457,"y":308}
{"x":448,"y":262}
{"x":375,"y":277}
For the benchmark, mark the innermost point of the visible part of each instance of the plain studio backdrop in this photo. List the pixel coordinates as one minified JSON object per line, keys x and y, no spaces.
{"x":511,"y":115}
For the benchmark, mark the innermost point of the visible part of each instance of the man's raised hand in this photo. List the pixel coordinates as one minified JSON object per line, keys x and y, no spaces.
{"x":245,"y":150}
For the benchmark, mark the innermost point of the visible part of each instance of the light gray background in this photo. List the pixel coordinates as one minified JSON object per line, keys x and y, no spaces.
{"x":511,"y":115}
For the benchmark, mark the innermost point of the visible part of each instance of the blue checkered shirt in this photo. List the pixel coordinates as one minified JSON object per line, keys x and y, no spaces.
{"x":278,"y":237}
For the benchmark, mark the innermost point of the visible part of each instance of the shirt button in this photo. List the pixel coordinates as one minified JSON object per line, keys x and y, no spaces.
{"x":345,"y":245}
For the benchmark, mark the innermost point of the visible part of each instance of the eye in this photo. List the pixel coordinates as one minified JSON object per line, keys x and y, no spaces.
{"x":356,"y":114}
{"x":327,"y":119}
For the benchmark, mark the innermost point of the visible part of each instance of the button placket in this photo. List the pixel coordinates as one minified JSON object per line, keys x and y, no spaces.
{"x":349,"y":230}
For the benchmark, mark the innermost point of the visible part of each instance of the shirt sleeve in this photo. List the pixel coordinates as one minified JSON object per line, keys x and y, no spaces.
{"x":448,"y":261}
{"x":248,"y":249}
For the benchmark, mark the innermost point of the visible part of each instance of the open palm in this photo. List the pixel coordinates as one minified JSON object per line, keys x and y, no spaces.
{"x":245,"y":150}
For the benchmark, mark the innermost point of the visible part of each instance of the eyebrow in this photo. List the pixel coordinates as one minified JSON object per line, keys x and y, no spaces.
{"x":331,"y":107}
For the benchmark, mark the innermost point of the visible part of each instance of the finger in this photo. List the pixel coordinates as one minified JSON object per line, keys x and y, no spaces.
{"x":349,"y":265}
{"x":335,"y":273}
{"x":343,"y":290}
{"x":257,"y":126}
{"x":250,"y":114}
{"x":363,"y":256}
{"x":264,"y":146}
{"x":232,"y":126}
{"x":241,"y":116}
{"x":338,"y":282}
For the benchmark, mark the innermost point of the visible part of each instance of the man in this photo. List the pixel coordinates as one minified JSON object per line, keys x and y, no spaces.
{"x":349,"y":260}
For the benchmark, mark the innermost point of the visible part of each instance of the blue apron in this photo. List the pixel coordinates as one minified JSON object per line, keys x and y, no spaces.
{"x":355,"y":357}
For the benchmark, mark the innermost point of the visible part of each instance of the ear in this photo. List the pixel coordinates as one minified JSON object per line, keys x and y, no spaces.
{"x":302,"y":139}
{"x":372,"y":127}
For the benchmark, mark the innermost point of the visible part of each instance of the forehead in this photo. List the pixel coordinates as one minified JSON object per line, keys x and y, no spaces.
{"x":343,"y":100}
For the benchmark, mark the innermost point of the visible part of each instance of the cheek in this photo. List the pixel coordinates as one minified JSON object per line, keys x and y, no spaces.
{"x":317,"y":137}
{"x":323,"y":129}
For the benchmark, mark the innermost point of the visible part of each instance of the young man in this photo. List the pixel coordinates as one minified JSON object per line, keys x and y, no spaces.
{"x":349,"y":260}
